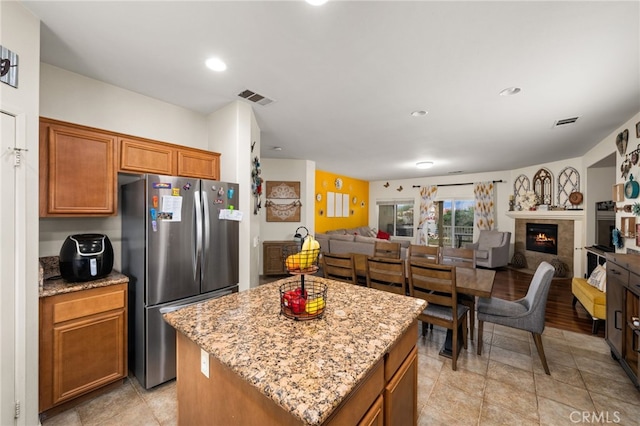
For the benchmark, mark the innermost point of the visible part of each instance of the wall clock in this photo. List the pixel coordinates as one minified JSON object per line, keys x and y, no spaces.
{"x":319,"y":196}
{"x":631,"y":188}
{"x":338,"y":183}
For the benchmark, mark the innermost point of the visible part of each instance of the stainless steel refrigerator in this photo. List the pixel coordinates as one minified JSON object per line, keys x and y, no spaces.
{"x":177,"y":249}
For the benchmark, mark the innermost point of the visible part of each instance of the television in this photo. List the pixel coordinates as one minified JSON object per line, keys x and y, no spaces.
{"x":605,"y":224}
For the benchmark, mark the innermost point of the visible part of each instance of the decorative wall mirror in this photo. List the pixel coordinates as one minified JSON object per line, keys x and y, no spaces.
{"x":542,"y":186}
{"x":568,"y":182}
{"x":520,"y":186}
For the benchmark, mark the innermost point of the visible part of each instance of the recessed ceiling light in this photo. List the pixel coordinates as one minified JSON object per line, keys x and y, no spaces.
{"x":509,"y":91}
{"x":316,"y":2}
{"x":216,"y":64}
{"x":277,"y":148}
{"x":420,"y":113}
{"x":424,"y":164}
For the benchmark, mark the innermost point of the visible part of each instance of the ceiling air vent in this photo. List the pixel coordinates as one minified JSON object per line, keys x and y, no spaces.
{"x":255,"y":97}
{"x":565,"y":122}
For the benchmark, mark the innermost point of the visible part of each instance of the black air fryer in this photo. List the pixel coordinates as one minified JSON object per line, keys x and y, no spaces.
{"x":85,"y":257}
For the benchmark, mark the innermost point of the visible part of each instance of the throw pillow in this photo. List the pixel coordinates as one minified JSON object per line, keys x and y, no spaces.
{"x":598,"y":278}
{"x":383,"y":235}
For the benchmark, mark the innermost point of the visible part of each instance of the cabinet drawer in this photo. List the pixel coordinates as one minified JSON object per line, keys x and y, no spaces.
{"x":72,"y":309}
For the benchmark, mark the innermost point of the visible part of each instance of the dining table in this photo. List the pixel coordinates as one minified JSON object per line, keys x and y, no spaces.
{"x":476,"y":282}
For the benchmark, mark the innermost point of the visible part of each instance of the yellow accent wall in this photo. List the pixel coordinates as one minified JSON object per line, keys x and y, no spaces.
{"x":358,"y":213}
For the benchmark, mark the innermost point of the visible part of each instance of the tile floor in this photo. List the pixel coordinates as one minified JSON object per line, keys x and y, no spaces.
{"x":504,"y":386}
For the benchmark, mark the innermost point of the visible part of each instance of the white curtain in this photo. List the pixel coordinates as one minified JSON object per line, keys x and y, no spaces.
{"x":484,"y":211}
{"x":427,"y":195}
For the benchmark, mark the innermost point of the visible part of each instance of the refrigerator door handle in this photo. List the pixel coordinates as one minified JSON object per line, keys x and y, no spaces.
{"x":207,"y":228}
{"x":197,"y":254}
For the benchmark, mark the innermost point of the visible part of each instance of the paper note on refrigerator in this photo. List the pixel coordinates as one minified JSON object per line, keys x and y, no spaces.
{"x":229,"y":214}
{"x":172,"y":206}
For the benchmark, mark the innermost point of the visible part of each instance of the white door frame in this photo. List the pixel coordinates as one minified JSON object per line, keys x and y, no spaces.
{"x":16,"y":247}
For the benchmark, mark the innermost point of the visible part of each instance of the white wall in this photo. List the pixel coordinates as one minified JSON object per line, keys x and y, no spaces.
{"x":20,"y":33}
{"x":232,"y":130}
{"x":77,"y":99}
{"x":302,"y":171}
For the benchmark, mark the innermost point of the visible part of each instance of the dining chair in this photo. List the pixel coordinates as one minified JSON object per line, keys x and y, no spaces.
{"x":524,"y":314}
{"x":386,"y":274}
{"x":437,"y":285}
{"x":339,"y":267}
{"x":430,"y":254}
{"x":462,"y":258}
{"x":386,"y":249}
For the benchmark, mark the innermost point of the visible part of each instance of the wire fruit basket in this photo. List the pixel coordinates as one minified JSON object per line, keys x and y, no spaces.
{"x":303,"y":301}
{"x":300,"y":261}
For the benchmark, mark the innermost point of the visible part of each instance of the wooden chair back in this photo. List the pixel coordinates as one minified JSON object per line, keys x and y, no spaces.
{"x":437,"y":285}
{"x":460,"y":257}
{"x":386,"y":249}
{"x":339,"y":267}
{"x":386,"y":274}
{"x":429,"y":254}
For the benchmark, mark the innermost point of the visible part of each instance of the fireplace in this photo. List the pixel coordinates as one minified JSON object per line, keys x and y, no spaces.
{"x":542,"y":237}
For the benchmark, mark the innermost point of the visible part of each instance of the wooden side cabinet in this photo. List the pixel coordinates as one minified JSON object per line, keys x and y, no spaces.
{"x":623,"y":293}
{"x":273,"y":256}
{"x":77,"y":171}
{"x":83,"y":343}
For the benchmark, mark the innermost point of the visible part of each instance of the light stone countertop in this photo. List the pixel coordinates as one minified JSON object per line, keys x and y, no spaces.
{"x":51,"y":283}
{"x":306,"y":367}
{"x":54,"y":286}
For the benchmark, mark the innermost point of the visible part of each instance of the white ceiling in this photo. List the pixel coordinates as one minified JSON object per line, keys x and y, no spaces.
{"x":345,"y":76}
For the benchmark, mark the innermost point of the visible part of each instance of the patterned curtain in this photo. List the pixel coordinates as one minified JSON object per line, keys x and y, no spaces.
{"x":484,"y":212}
{"x":427,"y":194}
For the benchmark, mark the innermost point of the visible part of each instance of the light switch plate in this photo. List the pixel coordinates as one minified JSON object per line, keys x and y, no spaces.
{"x":204,"y":363}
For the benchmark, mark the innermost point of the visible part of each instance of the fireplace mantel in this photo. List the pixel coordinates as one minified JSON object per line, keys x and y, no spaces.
{"x":551,"y":214}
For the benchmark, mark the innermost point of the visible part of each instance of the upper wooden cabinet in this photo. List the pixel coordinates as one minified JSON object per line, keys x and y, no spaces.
{"x":79,"y":166}
{"x":78,"y":175}
{"x":198,"y":163}
{"x":143,"y":156}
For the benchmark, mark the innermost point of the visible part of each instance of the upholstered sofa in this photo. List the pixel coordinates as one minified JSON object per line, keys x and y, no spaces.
{"x":355,"y":240}
{"x":492,"y":248}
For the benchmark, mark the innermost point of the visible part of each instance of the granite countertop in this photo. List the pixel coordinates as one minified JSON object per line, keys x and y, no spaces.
{"x":52,"y":284}
{"x":306,"y":367}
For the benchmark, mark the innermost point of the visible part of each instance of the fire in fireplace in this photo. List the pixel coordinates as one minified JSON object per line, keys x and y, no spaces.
{"x":542,"y":237}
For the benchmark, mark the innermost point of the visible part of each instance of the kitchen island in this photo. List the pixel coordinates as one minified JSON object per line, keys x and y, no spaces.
{"x":241,"y":362}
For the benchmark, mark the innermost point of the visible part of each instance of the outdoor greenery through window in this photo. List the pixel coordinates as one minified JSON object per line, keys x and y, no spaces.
{"x":450,"y":223}
{"x":396,"y":218}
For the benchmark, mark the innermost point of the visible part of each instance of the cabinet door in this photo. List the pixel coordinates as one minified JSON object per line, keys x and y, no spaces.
{"x":141,"y":156}
{"x":199,"y":164}
{"x":375,"y":415}
{"x":87,"y":354}
{"x":617,"y":278}
{"x":401,"y":393}
{"x":77,"y":171}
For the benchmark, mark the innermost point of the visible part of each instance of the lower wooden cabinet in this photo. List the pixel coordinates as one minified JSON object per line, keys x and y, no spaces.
{"x":273,"y":256}
{"x":375,"y":415}
{"x":401,"y":393}
{"x":83,"y":343}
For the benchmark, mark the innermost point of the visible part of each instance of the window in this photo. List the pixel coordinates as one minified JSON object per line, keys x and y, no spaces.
{"x":452,"y":223}
{"x":396,"y":218}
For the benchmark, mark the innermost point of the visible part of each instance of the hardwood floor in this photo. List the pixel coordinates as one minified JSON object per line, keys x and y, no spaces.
{"x":512,"y":284}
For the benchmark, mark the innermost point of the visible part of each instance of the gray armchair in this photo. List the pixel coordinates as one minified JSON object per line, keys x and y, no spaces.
{"x":525,"y":314}
{"x":492,"y":249}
